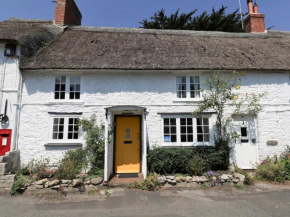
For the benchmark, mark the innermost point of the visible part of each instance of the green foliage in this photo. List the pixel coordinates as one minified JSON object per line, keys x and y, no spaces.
{"x":19,"y":185}
{"x":287,"y":170}
{"x":196,"y":165}
{"x":149,"y":184}
{"x":216,"y":21}
{"x":237,"y":186}
{"x":95,"y":142}
{"x":172,"y":160}
{"x":271,"y":170}
{"x":71,"y":164}
{"x":107,"y":193}
{"x":204,"y":187}
{"x":38,"y":168}
{"x":92,"y":154}
{"x":220,"y":90}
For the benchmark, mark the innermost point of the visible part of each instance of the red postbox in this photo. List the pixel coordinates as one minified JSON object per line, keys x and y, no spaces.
{"x":5,"y":141}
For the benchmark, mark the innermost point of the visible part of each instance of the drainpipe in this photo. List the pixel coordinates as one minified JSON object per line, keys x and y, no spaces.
{"x":106,"y":148}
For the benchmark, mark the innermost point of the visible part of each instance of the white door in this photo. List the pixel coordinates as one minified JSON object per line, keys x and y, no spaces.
{"x":245,"y":147}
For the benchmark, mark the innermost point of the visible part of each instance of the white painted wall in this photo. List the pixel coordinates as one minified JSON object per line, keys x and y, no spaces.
{"x":9,"y":73}
{"x":155,"y":91}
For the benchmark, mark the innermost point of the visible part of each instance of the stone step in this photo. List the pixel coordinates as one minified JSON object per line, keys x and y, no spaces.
{"x":3,"y":167}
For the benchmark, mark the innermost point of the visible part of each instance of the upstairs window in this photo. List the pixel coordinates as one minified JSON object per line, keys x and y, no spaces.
{"x":188,"y":87}
{"x":67,"y":87}
{"x":59,"y":91}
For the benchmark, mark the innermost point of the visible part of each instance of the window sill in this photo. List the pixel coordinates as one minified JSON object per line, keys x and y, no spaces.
{"x":67,"y":102}
{"x":187,"y":100}
{"x":187,"y":144}
{"x":64,"y":143}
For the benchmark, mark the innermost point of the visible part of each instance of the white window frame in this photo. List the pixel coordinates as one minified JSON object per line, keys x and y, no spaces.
{"x":178,"y":131}
{"x":188,"y":98}
{"x":65,"y":139}
{"x":67,"y":89}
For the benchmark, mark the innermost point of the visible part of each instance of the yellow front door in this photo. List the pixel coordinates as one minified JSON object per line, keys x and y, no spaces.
{"x":127,"y":158}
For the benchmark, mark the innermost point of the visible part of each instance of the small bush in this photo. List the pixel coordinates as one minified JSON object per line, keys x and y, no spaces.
{"x":71,"y":164}
{"x":196,"y":166}
{"x":237,"y":186}
{"x":149,"y":184}
{"x":287,"y":169}
{"x":271,"y":170}
{"x":19,"y":185}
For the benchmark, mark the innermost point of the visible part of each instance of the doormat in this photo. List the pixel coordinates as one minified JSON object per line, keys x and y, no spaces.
{"x":128,"y":175}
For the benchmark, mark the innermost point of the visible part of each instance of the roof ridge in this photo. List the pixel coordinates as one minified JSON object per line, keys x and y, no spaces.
{"x":23,"y":20}
{"x":168,"y":32}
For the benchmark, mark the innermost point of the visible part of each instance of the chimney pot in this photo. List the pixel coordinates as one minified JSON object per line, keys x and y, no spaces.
{"x":250,"y":7}
{"x":256,"y":9}
{"x":67,"y":13}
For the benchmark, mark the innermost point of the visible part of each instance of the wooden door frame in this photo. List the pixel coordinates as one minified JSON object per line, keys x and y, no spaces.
{"x":141,"y":139}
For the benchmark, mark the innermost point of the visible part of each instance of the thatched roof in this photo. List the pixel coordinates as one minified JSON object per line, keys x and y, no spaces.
{"x":32,"y":35}
{"x":140,"y":49}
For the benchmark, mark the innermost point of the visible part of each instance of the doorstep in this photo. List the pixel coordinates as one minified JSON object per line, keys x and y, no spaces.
{"x":125,"y":179}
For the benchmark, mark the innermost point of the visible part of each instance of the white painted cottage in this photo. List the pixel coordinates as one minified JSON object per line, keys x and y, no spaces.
{"x":144,"y":84}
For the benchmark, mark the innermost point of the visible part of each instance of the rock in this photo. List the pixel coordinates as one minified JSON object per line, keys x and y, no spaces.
{"x":42,"y":182}
{"x":65,"y":181}
{"x":53,"y":183}
{"x":56,"y":187}
{"x":39,"y":187}
{"x":201,"y":179}
{"x":76,"y":182}
{"x":64,"y":185}
{"x":188,"y":179}
{"x":87,"y":182}
{"x":171,"y":182}
{"x":96,"y":181}
{"x":226,"y":177}
{"x":236,"y":181}
{"x":161,"y":180}
{"x":195,"y":179}
{"x":179,"y":179}
{"x":240,"y":177}
{"x":170,"y":177}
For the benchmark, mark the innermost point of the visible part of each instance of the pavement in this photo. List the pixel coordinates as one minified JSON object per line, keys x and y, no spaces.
{"x":262,"y":200}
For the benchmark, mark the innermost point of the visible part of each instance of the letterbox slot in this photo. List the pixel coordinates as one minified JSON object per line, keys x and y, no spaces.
{"x":4,"y":135}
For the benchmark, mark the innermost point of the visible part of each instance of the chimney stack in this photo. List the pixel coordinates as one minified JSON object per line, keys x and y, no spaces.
{"x":67,"y":13}
{"x":254,"y":22}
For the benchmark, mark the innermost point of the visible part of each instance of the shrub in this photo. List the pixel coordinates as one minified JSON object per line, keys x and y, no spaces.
{"x":196,"y":165}
{"x":287,"y":169}
{"x":149,"y":184}
{"x":271,"y":170}
{"x":171,"y":160}
{"x":71,"y":164}
{"x":19,"y":185}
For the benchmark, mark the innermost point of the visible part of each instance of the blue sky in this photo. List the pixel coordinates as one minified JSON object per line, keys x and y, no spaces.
{"x":128,"y":13}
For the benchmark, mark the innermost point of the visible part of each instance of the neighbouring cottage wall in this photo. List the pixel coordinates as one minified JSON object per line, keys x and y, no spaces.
{"x":9,"y":71}
{"x":156,"y":92}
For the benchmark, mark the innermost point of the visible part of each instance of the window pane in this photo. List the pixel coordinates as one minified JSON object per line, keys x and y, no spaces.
{"x":78,"y":87}
{"x":167,"y":138}
{"x":55,"y":128}
{"x":205,"y":121}
{"x":78,"y":95}
{"x":70,"y":135}
{"x":189,"y":130}
{"x":62,"y":95}
{"x":173,"y":138}
{"x":190,"y":138}
{"x":55,"y":121}
{"x":173,"y":121}
{"x":62,"y":87}
{"x":61,"y":121}
{"x":61,"y":128}
{"x":57,"y":87}
{"x":70,"y":128}
{"x":200,"y":138}
{"x":198,"y":121}
{"x":183,"y":95}
{"x":57,"y":79}
{"x":54,"y":136}
{"x":76,"y":135}
{"x":166,"y":130}
{"x":182,"y":121}
{"x":183,"y":138}
{"x":60,"y":136}
{"x":166,"y":121}
{"x":63,"y":79}
{"x":199,"y":129}
{"x":72,"y":87}
{"x":206,"y":129}
{"x":189,"y":121}
{"x":71,"y":120}
{"x":206,"y":138}
{"x":173,"y":130}
{"x":183,"y":130}
{"x":244,"y":132}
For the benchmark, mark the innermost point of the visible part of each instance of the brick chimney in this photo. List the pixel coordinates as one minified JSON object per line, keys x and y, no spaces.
{"x":67,"y":13}
{"x":254,"y":22}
